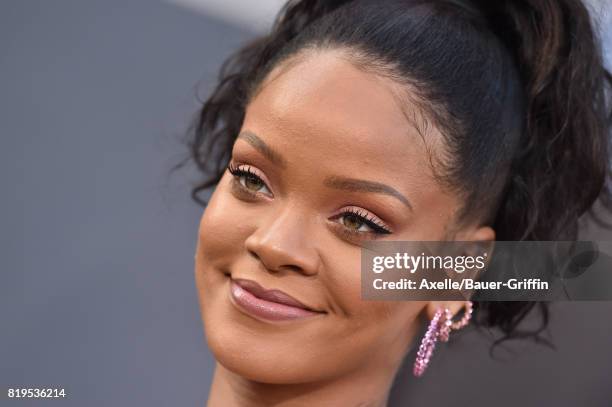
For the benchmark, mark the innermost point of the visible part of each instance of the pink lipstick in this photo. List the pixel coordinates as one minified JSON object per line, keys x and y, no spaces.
{"x":273,"y":305}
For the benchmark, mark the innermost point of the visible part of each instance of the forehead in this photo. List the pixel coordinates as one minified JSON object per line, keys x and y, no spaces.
{"x":321,"y":106}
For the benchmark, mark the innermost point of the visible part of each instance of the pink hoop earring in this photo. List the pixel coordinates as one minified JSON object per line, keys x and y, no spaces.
{"x":439,"y":328}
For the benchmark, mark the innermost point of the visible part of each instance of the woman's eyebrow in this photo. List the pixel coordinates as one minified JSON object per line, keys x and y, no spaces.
{"x":359,"y":185}
{"x":263,"y":148}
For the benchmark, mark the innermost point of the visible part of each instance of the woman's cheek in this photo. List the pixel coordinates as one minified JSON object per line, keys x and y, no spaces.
{"x":343,"y":277}
{"x":224,"y":227}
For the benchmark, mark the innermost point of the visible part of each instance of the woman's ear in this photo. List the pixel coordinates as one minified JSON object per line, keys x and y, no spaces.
{"x":475,"y":234}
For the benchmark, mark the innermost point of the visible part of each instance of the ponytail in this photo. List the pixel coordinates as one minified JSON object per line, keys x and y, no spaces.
{"x":562,"y":165}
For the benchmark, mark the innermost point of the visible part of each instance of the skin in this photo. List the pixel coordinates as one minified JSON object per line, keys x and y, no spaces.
{"x":316,"y":120}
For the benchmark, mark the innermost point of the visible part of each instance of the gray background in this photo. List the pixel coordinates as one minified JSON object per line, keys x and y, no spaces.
{"x":97,"y":238}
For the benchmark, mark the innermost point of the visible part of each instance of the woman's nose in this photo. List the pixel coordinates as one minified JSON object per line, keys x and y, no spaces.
{"x":285,"y":241}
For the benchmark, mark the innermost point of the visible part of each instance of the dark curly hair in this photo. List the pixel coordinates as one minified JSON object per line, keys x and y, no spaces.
{"x":517,"y":87}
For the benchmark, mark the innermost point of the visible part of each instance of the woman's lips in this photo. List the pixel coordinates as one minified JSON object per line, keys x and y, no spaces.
{"x":270,"y":308}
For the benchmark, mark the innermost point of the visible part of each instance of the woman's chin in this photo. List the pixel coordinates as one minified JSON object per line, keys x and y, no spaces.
{"x":255,"y":361}
{"x":260,"y":351}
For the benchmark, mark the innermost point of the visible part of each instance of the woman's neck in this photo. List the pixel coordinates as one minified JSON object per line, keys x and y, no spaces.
{"x":360,"y":389}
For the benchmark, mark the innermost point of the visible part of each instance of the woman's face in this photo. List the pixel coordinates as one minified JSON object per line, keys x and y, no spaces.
{"x":322,"y":144}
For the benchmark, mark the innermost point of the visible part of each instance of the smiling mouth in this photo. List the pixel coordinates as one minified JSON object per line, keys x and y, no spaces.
{"x":271,"y":305}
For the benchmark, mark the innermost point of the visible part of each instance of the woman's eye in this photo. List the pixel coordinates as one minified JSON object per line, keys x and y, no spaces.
{"x":252,"y":182}
{"x":360,"y":223}
{"x":354,"y":222}
{"x":248,"y":180}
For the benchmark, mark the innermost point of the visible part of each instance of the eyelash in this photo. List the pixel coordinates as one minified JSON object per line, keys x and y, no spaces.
{"x":240,"y":172}
{"x":371,"y":222}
